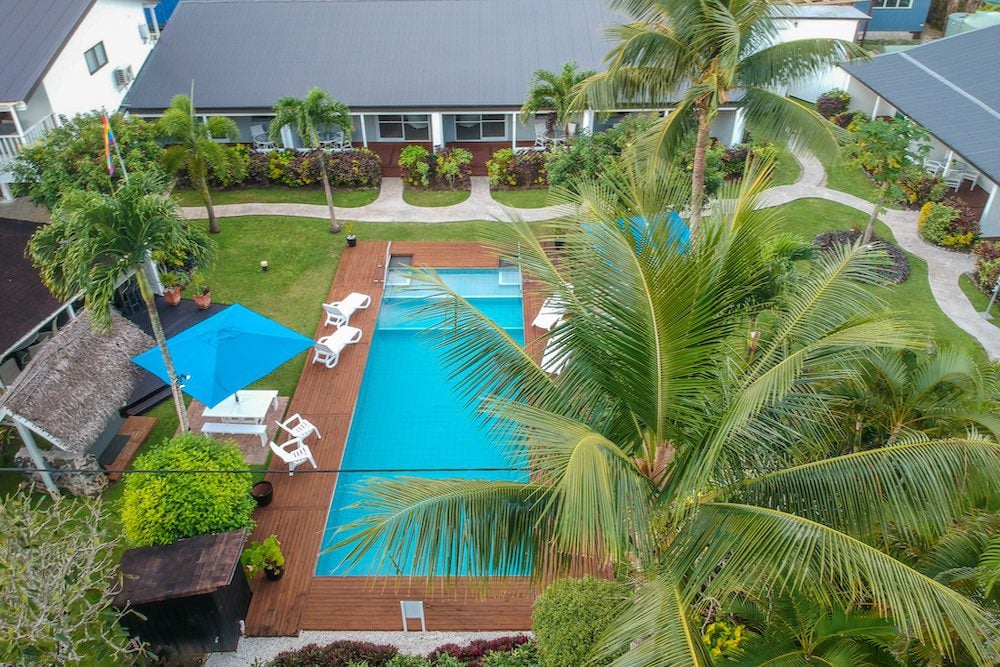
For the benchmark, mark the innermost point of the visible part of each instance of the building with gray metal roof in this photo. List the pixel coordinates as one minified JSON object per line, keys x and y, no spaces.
{"x":938,"y":86}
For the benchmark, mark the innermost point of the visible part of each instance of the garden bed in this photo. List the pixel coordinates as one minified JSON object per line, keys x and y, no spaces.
{"x":276,"y":194}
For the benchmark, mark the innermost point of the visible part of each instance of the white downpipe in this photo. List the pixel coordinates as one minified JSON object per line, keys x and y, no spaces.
{"x":989,"y":202}
{"x":878,"y":103}
{"x":437,"y":129}
{"x":513,"y":131}
{"x":364,"y":130}
{"x":588,"y":121}
{"x":739,"y":125}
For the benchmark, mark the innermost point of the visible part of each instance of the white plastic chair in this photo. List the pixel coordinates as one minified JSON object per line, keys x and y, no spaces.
{"x":297,"y":427}
{"x":550,"y":314}
{"x":339,"y":312}
{"x":413,"y":609}
{"x":260,"y":138}
{"x":328,"y":348}
{"x":554,"y":359}
{"x":293,"y":457}
{"x":542,"y":138}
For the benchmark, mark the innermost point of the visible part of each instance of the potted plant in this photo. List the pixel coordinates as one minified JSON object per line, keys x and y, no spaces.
{"x":352,"y":240}
{"x":200,"y":291}
{"x":172,"y":283}
{"x":262,"y":493}
{"x":264,"y":557}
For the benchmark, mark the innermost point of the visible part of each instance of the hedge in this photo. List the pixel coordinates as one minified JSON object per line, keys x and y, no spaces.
{"x":506,"y":168}
{"x":569,"y":617}
{"x":473,"y":653}
{"x":359,"y":168}
{"x":950,"y":224}
{"x":160,"y":509}
{"x":337,"y":654}
{"x":449,"y":168}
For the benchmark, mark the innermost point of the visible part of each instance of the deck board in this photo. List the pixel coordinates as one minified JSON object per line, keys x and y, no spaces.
{"x":297,"y":515}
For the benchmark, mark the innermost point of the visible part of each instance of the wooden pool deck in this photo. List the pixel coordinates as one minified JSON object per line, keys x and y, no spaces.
{"x":298,"y":513}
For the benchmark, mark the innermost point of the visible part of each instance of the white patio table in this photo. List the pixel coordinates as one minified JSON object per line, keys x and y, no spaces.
{"x":251,"y":407}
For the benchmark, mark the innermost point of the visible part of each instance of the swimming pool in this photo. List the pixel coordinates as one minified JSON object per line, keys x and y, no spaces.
{"x":408,"y":415}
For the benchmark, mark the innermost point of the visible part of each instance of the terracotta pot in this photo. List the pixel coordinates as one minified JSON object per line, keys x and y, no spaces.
{"x":203,"y":300}
{"x":172,"y":295}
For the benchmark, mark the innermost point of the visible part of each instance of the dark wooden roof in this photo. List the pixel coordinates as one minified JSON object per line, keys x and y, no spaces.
{"x":193,"y":566}
{"x":24,"y":300}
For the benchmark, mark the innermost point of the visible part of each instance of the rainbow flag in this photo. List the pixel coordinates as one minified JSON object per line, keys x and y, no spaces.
{"x":109,"y":141}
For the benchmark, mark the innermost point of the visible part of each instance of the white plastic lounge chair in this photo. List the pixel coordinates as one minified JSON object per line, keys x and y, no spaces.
{"x":554,"y":360}
{"x":294,"y":453}
{"x":550,"y":315}
{"x":413,"y":609}
{"x":328,"y":348}
{"x":297,"y":427}
{"x":339,"y":312}
{"x":260,"y":139}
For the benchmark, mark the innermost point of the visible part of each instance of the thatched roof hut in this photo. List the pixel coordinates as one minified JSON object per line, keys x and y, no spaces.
{"x":77,"y":382}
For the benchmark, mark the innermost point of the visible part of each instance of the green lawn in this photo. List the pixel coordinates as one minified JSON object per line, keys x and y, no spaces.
{"x":280,"y":195}
{"x":912,"y":299}
{"x":523,"y":198}
{"x":786,"y":169}
{"x":979,"y":300}
{"x":850,"y":179}
{"x":432,"y":198}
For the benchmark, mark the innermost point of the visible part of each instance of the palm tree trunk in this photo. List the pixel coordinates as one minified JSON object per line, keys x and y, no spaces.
{"x":698,"y":171}
{"x":213,"y":224}
{"x":870,"y":228}
{"x":334,"y":225}
{"x":161,"y":341}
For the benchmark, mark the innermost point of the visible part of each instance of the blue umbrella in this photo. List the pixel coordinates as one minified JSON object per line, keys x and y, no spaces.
{"x":224,"y":353}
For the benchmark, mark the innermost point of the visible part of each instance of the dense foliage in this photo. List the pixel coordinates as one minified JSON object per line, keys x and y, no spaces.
{"x":57,"y":561}
{"x":162,"y":508}
{"x":506,"y":168}
{"x":447,"y":168}
{"x":472,"y":654}
{"x":891,"y":152}
{"x":337,"y":654}
{"x":951,"y":224}
{"x":895,"y":271}
{"x":514,"y":651}
{"x":987,"y":270}
{"x":589,"y":156}
{"x":569,"y":617}
{"x":71,"y":157}
{"x":833,"y":103}
{"x":554,"y":92}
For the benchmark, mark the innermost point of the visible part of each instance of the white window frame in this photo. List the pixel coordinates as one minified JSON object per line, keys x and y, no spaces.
{"x":481,"y":122}
{"x":403,"y":124}
{"x":892,"y":4}
{"x":100,"y":63}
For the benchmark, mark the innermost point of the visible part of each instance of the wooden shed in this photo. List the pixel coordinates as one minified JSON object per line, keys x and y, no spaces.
{"x":193,"y":594}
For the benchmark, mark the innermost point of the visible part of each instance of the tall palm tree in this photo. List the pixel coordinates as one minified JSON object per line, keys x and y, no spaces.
{"x":704,"y":52}
{"x":665,"y":448}
{"x":555,"y":92}
{"x":195,"y":148}
{"x":95,"y":239}
{"x":316,"y":110}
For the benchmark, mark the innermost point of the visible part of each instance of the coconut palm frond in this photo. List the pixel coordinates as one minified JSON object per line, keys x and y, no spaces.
{"x":726,"y":543}
{"x":840,"y":492}
{"x":782,"y":120}
{"x":781,"y":63}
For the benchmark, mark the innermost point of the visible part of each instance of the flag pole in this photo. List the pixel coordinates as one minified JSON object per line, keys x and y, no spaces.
{"x":120,"y":160}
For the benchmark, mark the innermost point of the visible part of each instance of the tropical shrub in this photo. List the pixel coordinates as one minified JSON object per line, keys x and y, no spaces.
{"x":833,"y":103}
{"x":414,"y":160}
{"x":589,"y":156}
{"x":71,"y":157}
{"x":897,"y":270}
{"x":987,"y":264}
{"x":58,"y":561}
{"x":359,"y":168}
{"x":570,"y":615}
{"x":162,"y":508}
{"x":950,"y":224}
{"x":337,"y":654}
{"x":848,"y":118}
{"x":506,"y":168}
{"x":453,"y":166}
{"x":714,"y":176}
{"x":734,"y":159}
{"x":525,"y":655}
{"x":473,"y":653}
{"x":918,"y":186}
{"x":883,"y":148}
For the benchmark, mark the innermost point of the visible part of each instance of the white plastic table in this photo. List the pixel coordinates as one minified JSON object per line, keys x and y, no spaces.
{"x":251,"y":407}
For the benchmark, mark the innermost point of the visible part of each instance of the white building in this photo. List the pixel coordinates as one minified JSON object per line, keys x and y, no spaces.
{"x":62,"y":58}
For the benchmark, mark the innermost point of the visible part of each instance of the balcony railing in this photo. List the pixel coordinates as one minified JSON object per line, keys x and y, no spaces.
{"x":10,"y":144}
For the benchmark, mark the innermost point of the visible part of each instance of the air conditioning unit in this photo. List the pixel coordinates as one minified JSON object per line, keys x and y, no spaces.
{"x":123,"y":76}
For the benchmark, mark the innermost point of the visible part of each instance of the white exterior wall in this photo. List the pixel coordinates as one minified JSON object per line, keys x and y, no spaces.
{"x":811,"y":88}
{"x":70,"y":87}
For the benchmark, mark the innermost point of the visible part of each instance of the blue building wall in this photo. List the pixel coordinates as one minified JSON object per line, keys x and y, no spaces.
{"x":165,"y":9}
{"x":896,"y":20}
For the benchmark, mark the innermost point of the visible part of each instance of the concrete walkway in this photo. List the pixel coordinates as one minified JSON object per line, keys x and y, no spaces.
{"x":944,"y":267}
{"x":390,"y":207}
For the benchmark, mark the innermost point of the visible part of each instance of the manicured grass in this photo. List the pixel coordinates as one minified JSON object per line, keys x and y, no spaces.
{"x":434,"y":198}
{"x":524,"y":198}
{"x":786,"y":169}
{"x":280,"y":195}
{"x":912,"y":299}
{"x":979,"y":300}
{"x":850,"y":179}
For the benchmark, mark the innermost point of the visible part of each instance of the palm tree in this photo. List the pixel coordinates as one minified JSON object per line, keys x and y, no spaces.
{"x":195,"y":148}
{"x":96,"y":239}
{"x":317,"y":109}
{"x":941,"y":394}
{"x":707,"y":50}
{"x":551,"y":91}
{"x":665,"y":448}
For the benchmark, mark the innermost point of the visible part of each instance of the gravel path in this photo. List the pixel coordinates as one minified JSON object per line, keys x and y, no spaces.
{"x":415,"y":643}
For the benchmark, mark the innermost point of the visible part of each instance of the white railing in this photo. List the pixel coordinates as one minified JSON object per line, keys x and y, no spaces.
{"x":10,"y":144}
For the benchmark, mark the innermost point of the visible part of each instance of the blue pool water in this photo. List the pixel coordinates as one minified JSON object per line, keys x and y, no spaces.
{"x":408,"y":415}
